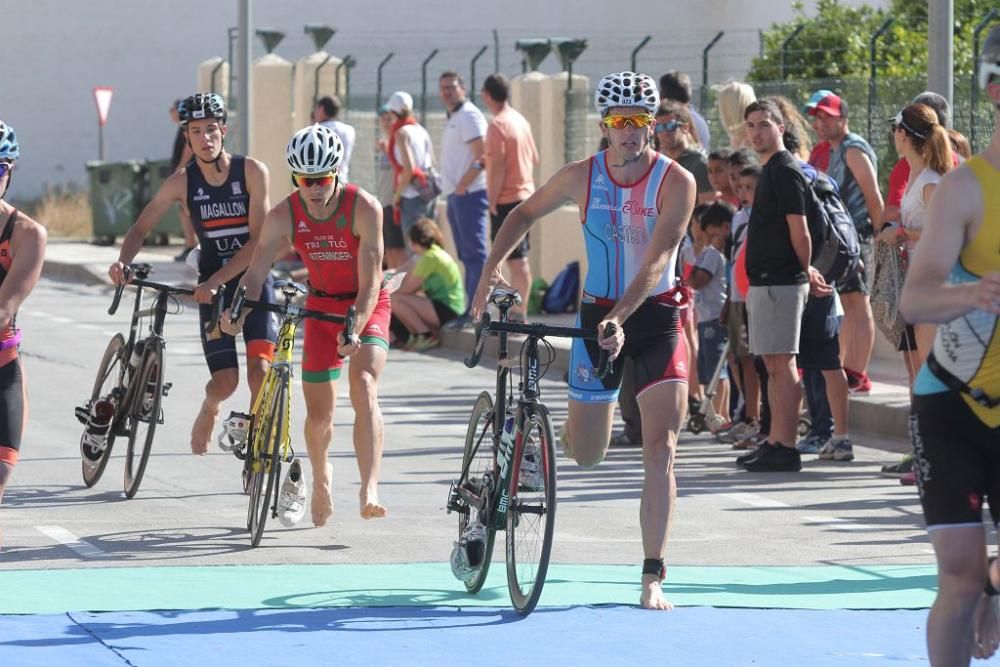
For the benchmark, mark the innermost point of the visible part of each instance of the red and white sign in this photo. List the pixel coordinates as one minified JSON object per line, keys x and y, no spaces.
{"x":102,"y":96}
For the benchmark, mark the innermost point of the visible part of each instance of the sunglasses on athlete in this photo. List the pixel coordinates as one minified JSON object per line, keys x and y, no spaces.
{"x":621,"y":122}
{"x":321,"y":180}
{"x":898,"y":123}
{"x":5,"y":168}
{"x":669,"y":126}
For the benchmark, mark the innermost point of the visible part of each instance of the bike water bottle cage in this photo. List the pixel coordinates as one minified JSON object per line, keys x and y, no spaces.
{"x":655,"y":566}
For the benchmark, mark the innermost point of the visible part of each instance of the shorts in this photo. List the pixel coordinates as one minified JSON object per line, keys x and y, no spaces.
{"x":861,"y":281}
{"x":712,"y":345}
{"x":654,"y":341}
{"x":775,"y":318}
{"x":496,"y":221}
{"x":444,"y":312}
{"x":957,"y":461}
{"x":260,"y":331}
{"x":320,"y":360}
{"x":392,"y":234}
{"x":819,"y":338}
{"x":908,"y":341}
{"x":739,"y":337}
{"x":11,"y":411}
{"x":412,"y":209}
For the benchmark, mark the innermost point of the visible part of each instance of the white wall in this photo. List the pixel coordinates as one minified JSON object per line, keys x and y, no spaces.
{"x":55,"y":51}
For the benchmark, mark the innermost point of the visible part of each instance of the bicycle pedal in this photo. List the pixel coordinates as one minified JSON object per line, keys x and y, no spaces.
{"x":166,"y":387}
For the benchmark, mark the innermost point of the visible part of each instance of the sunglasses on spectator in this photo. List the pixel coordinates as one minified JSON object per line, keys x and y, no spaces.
{"x":321,"y":180}
{"x":669,"y":126}
{"x":621,"y":122}
{"x":898,"y":123}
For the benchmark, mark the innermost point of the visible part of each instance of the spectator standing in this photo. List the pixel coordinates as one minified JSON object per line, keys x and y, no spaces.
{"x":675,"y":139}
{"x":392,"y":232}
{"x":732,"y":99}
{"x":511,"y":157}
{"x":411,"y":153}
{"x":326,"y":113}
{"x":675,"y":86}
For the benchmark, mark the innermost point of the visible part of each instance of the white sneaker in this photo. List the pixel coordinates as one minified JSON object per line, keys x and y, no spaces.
{"x":468,"y":552}
{"x":292,"y":499}
{"x":531,"y":477}
{"x":235,"y":431}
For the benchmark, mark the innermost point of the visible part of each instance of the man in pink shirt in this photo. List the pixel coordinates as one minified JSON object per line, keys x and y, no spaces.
{"x":510,"y":156}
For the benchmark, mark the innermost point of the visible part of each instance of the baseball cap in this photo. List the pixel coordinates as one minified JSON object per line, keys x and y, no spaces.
{"x":399,"y":101}
{"x":829,"y":103}
{"x":814,"y":100}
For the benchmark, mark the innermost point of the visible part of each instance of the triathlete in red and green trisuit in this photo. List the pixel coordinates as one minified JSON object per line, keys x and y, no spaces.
{"x":226,"y":196}
{"x":22,"y":251}
{"x":337,"y":230}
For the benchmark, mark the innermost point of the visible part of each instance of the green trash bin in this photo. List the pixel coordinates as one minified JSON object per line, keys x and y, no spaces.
{"x":157,"y":171}
{"x":116,"y":197}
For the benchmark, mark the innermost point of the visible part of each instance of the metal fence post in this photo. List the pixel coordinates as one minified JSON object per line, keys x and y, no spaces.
{"x":635,"y":51}
{"x":784,"y":50}
{"x":873,"y":75}
{"x":974,"y":97}
{"x":378,"y":83}
{"x":472,"y":73}
{"x":347,"y":62}
{"x":423,"y":87}
{"x":496,"y":51}
{"x":704,"y":69}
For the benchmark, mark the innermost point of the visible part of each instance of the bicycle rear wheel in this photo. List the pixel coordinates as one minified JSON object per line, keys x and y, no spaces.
{"x":105,"y":384}
{"x":143,"y":416}
{"x":478,"y":477}
{"x":266,"y":462}
{"x":531,"y":518}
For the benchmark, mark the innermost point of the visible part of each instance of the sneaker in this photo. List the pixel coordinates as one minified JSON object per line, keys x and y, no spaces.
{"x":469,"y":552}
{"x":758,"y":451}
{"x":753,"y":442}
{"x":909,"y":479}
{"x":837,"y":450}
{"x":899,"y":470}
{"x":292,"y":499}
{"x":740,"y":431}
{"x":811,"y":444}
{"x":858,"y":383}
{"x":776,"y":458}
{"x":623,"y":440}
{"x":234,"y":433}
{"x":422,"y":342}
{"x":531,"y":477}
{"x":718,"y":424}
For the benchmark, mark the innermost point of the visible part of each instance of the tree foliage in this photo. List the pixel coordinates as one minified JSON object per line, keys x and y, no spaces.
{"x":834,"y":43}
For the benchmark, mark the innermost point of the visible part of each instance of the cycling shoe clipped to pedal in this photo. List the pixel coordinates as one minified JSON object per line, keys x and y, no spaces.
{"x":235,"y":432}
{"x":469,"y":552}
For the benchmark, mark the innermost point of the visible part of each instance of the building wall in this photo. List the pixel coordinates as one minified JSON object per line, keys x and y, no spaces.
{"x":148,"y":51}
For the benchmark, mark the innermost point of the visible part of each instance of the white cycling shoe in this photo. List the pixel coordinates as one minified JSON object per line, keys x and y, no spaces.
{"x":468,"y":552}
{"x":292,"y":499}
{"x":235,"y":431}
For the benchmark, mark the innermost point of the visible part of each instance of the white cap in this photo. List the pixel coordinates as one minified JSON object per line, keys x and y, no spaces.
{"x":399,"y":101}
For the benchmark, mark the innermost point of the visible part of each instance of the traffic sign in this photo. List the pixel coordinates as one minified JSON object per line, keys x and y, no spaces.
{"x":102,"y":96}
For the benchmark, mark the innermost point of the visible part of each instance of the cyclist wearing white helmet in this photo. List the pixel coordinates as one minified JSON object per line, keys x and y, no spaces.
{"x":22,"y":252}
{"x":956,"y":395}
{"x":226,"y":197}
{"x":634,"y":208}
{"x":336,"y":228}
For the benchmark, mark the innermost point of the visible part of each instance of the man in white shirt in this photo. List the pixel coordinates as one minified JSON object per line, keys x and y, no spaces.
{"x":325,"y":113}
{"x":463,"y":181}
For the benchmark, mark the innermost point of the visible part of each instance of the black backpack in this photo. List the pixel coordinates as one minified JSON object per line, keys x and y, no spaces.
{"x":836,"y":249}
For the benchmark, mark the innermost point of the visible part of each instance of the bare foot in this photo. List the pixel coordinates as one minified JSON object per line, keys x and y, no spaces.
{"x":986,"y":631}
{"x":201,"y":432}
{"x":322,"y":503}
{"x":370,"y":506}
{"x":652,"y":594}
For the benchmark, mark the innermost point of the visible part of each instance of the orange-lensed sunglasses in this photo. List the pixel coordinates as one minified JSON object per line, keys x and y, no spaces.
{"x":621,"y":122}
{"x":321,"y":180}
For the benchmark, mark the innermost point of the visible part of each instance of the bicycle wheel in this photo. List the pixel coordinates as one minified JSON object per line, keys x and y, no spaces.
{"x":531,"y":518}
{"x":105,"y":385}
{"x":143,"y":416}
{"x":478,"y":473}
{"x":266,"y":465}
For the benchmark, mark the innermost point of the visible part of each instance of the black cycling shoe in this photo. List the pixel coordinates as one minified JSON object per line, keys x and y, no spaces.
{"x":776,"y":459}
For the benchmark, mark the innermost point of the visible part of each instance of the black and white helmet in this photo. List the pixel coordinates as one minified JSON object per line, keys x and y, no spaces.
{"x":202,"y":105}
{"x":314,"y":150}
{"x":626,"y":89}
{"x":989,"y":58}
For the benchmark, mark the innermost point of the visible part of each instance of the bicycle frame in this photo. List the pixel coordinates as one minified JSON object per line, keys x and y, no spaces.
{"x":279,"y":373}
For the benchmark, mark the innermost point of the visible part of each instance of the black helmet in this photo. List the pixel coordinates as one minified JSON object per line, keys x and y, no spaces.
{"x":202,"y":105}
{"x":989,"y":58}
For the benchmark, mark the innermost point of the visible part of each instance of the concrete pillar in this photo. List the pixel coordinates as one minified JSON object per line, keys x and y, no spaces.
{"x":305,"y":91}
{"x":271,"y":109}
{"x":940,"y":47}
{"x":213,"y":76}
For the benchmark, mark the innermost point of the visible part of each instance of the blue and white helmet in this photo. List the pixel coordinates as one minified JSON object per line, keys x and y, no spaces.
{"x":626,"y":89}
{"x":314,"y":150}
{"x":9,"y":150}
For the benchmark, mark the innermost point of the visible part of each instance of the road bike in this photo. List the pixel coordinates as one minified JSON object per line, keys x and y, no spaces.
{"x":488,"y":488}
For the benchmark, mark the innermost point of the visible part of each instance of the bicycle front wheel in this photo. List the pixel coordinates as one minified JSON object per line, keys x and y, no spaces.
{"x":108,"y":374}
{"x":532,"y":514}
{"x":147,"y":393}
{"x":477,"y":480}
{"x":266,"y":459}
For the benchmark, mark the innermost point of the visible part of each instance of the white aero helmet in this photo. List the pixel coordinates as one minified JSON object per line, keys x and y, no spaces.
{"x":626,"y":89}
{"x":314,"y":150}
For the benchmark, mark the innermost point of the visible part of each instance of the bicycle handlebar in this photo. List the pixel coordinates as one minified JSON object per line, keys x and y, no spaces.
{"x":241,"y":300}
{"x":169,"y":289}
{"x":537,"y":330}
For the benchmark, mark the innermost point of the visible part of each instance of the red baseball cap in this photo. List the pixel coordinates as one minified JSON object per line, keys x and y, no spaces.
{"x":831,"y":104}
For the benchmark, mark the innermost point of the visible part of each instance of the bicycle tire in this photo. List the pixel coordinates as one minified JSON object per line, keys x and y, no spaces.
{"x":477,"y":461}
{"x":145,"y":409}
{"x":108,"y":369}
{"x":268,"y":453}
{"x":531,"y":518}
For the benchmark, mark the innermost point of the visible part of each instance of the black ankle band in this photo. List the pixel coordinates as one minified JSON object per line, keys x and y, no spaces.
{"x":655,"y":566}
{"x":990,"y":589}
